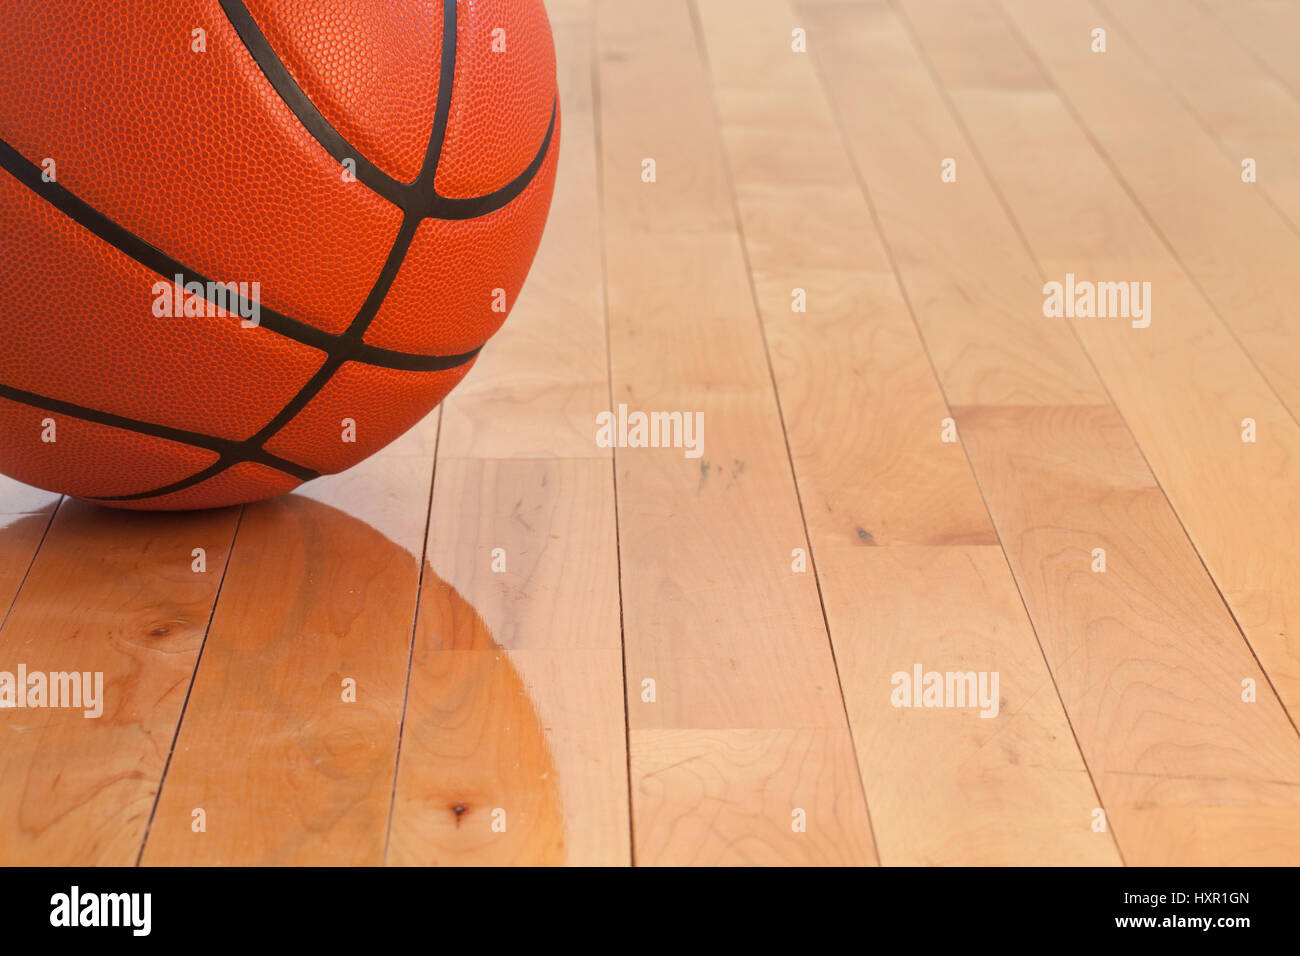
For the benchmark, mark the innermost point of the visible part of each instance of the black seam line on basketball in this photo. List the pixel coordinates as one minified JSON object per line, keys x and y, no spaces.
{"x":350,"y":341}
{"x":166,"y":267}
{"x":442,"y":109}
{"x":214,"y":469}
{"x":408,"y":361}
{"x":226,"y":447}
{"x":383,"y":282}
{"x":441,"y":207}
{"x":419,"y":196}
{"x":293,"y":95}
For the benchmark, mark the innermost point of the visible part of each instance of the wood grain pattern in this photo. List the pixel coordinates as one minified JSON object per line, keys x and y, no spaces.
{"x":285,"y":767}
{"x":1060,"y":478}
{"x":477,"y":782}
{"x":542,"y":378}
{"x":713,"y":615}
{"x":1268,"y":28}
{"x":1150,"y":664}
{"x":946,"y":785}
{"x":1183,"y":385}
{"x":516,"y":693}
{"x":863,"y":415}
{"x":728,"y":796}
{"x":111,"y":592}
{"x":515,"y":700}
{"x":1238,"y":102}
{"x":25,"y":516}
{"x":1230,"y":239}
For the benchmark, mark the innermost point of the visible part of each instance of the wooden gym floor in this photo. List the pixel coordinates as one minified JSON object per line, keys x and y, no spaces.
{"x":691,"y":660}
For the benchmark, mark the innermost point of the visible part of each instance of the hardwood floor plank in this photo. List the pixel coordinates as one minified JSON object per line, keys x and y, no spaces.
{"x":289,"y":740}
{"x":891,"y":507}
{"x":1266,"y":27}
{"x":1182,"y":384}
{"x":516,"y":694}
{"x":1226,"y":234}
{"x":1147,"y":660}
{"x":542,"y":379}
{"x":718,"y":628}
{"x":1146,"y":656}
{"x":946,"y":785}
{"x":111,"y":593}
{"x":731,"y":796}
{"x":25,"y":516}
{"x":1235,"y":99}
{"x":515,"y":709}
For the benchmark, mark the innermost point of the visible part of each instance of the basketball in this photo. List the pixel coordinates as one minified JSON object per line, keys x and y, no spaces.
{"x":245,"y":243}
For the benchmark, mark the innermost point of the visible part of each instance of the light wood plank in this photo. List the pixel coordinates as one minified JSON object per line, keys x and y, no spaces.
{"x":515,"y":709}
{"x":863,"y":412}
{"x":516,"y":696}
{"x":565,"y":12}
{"x":947,"y":786}
{"x":1225,"y":232}
{"x":25,"y":515}
{"x":727,"y":796}
{"x":1239,"y":103}
{"x":746,"y":695}
{"x":1183,"y":385}
{"x":1268,"y":28}
{"x":543,"y":377}
{"x":1146,"y":656}
{"x":287,"y":768}
{"x":1147,"y":660}
{"x":114,"y":593}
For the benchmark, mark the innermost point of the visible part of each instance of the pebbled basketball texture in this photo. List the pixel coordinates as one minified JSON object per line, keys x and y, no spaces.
{"x":351,"y":193}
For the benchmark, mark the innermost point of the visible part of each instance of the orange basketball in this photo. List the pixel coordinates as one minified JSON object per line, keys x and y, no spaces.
{"x":247,"y":242}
